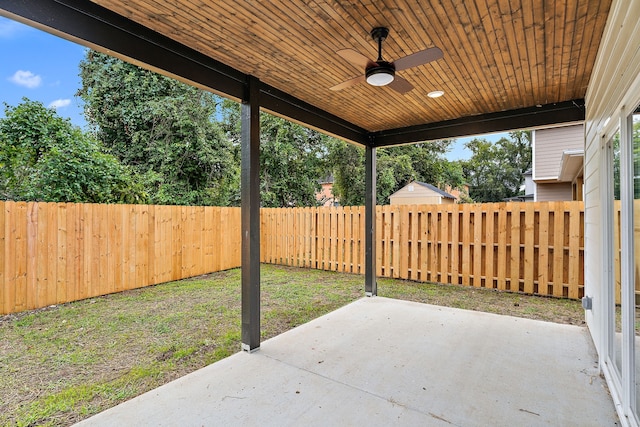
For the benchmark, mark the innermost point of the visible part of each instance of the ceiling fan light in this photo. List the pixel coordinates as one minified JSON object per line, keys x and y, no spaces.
{"x":381,"y":78}
{"x":380,"y":75}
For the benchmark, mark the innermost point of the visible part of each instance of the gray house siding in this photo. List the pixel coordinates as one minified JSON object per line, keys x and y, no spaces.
{"x":549,"y":146}
{"x":553,"y":192}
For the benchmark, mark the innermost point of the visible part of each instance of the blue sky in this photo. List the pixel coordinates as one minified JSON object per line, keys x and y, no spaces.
{"x":459,"y":152}
{"x":41,"y":67}
{"x":44,"y":67}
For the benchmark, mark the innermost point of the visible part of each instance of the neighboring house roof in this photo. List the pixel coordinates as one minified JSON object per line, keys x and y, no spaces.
{"x":525,"y":198}
{"x":326,"y":180}
{"x":436,"y":189}
{"x":430,"y":187}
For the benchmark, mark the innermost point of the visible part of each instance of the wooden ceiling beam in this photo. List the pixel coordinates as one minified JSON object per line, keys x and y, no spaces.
{"x":504,"y":121}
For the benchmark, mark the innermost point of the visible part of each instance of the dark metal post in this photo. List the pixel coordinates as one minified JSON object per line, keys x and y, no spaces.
{"x":370,"y":285}
{"x":250,"y":197}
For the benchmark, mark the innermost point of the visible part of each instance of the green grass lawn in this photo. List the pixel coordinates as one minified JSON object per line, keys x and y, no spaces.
{"x":62,"y":364}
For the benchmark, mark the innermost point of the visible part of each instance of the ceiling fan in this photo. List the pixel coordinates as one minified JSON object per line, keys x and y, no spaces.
{"x":381,"y":72}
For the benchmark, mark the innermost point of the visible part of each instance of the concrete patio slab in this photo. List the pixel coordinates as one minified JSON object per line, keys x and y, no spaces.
{"x":381,"y":362}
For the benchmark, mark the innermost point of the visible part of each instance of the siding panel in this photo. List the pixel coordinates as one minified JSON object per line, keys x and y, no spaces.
{"x":553,"y":192}
{"x":550,"y":144}
{"x":612,"y":83}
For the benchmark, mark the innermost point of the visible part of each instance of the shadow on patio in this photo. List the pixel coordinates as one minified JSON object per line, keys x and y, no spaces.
{"x":380,"y":361}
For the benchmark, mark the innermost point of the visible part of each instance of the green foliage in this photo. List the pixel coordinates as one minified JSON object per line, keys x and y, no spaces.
{"x":635,"y":135}
{"x":292,"y":158}
{"x":162,"y":128}
{"x":44,"y":157}
{"x":347,"y":162}
{"x":495,"y":171}
{"x":395,"y":167}
{"x":291,"y":162}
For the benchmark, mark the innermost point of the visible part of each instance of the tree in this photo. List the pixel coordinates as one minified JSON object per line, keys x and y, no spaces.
{"x":347,"y":162}
{"x":635,"y":137}
{"x":164,"y":129}
{"x":495,"y":171}
{"x":44,"y":157}
{"x":395,"y":167}
{"x":292,"y":158}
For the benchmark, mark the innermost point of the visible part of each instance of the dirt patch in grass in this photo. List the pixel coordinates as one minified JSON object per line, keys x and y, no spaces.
{"x":62,"y":364}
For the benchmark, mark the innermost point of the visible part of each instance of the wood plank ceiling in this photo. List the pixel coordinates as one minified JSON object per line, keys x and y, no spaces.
{"x":498,"y":54}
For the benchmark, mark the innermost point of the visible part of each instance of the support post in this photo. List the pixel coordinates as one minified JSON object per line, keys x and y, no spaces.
{"x":370,"y":285}
{"x":250,"y":199}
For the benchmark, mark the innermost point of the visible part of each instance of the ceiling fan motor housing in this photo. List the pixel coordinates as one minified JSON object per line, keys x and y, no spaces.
{"x":379,"y":33}
{"x":380,"y":73}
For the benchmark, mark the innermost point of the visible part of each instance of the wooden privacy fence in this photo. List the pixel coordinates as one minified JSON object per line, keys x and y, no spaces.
{"x":52,"y":253}
{"x":536,"y":248}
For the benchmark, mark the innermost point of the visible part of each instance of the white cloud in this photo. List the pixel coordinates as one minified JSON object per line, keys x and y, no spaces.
{"x":59,"y":103}
{"x":9,"y":28}
{"x":26,"y":79}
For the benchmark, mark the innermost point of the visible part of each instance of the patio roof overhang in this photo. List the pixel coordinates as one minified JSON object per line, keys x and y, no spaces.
{"x":507,"y":65}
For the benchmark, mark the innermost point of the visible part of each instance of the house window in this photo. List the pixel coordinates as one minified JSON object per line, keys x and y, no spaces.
{"x":624,"y":205}
{"x":616,"y":357}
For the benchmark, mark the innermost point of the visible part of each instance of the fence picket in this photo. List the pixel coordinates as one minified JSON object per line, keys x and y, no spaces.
{"x":402,"y":241}
{"x":515,"y":273}
{"x":529,"y":228}
{"x":502,"y":246}
{"x":3,"y":258}
{"x":454,"y":229}
{"x":382,"y":231}
{"x":52,"y":251}
{"x":489,"y":247}
{"x":543,"y":250}
{"x":574,"y":251}
{"x":478,"y":245}
{"x":414,"y":247}
{"x":558,"y":249}
{"x":61,"y":253}
{"x":466,"y":240}
{"x":71,"y":256}
{"x":36,"y":291}
{"x":22,"y":249}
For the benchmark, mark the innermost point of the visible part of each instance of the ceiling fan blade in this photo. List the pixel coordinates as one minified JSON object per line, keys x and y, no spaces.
{"x":418,"y":58}
{"x":400,"y":85}
{"x":349,"y":83}
{"x":354,"y":57}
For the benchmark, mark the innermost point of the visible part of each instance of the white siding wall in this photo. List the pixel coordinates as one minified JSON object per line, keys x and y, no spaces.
{"x":549,"y":145}
{"x":614,"y":87}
